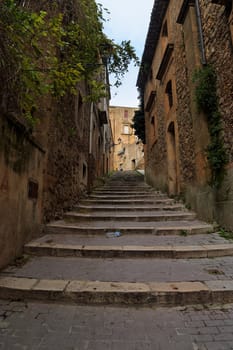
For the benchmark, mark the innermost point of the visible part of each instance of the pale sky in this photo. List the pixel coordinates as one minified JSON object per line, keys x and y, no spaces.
{"x":128,"y":20}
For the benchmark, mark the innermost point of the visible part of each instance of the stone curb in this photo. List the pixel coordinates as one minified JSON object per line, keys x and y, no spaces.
{"x":88,"y":292}
{"x":162,"y":252}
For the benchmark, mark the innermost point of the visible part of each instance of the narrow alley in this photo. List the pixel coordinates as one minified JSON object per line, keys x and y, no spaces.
{"x":116,"y":175}
{"x":128,"y":269}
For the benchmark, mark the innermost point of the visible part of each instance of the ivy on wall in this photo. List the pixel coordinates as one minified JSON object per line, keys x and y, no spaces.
{"x":48,"y":51}
{"x":207,"y":101}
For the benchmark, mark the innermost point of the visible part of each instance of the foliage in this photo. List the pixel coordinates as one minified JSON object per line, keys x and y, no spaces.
{"x":225,"y":234}
{"x":139,"y":121}
{"x":207,"y":101}
{"x":46,"y":52}
{"x":183,"y":233}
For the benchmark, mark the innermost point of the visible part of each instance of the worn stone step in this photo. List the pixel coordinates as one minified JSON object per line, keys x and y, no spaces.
{"x":128,"y":196}
{"x":126,"y":188}
{"x":133,"y":239}
{"x":124,"y":269}
{"x":154,"y":228}
{"x":130,"y":208}
{"x":94,"y":292}
{"x":132,"y":251}
{"x":126,"y":191}
{"x":129,"y":201}
{"x":129,"y":216}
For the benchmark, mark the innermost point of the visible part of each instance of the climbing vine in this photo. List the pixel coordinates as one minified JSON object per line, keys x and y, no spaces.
{"x":49,"y":50}
{"x":207,"y":101}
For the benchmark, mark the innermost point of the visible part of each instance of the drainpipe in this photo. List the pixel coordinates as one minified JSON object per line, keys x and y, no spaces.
{"x":201,"y":37}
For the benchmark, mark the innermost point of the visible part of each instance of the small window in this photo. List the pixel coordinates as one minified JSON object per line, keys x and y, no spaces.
{"x":80,"y":103}
{"x":33,"y":189}
{"x":165,"y":30}
{"x":169,"y":93}
{"x":151,"y":74}
{"x":126,"y":114}
{"x":126,"y":130}
{"x":84,"y":171}
{"x":153,"y":126}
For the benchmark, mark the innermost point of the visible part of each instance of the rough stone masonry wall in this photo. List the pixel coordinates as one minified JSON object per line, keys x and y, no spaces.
{"x":156,"y":155}
{"x":219,"y":52}
{"x":67,"y":157}
{"x":184,"y":117}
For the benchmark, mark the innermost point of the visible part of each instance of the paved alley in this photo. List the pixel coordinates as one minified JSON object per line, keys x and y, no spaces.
{"x":129,"y":268}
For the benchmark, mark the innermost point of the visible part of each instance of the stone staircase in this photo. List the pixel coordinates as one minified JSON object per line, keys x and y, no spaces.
{"x":125,"y":244}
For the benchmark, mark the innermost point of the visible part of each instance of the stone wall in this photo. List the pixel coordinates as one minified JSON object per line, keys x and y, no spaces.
{"x":39,"y":181}
{"x":66,"y":168}
{"x":21,"y":183}
{"x":190,"y":127}
{"x":219,"y":52}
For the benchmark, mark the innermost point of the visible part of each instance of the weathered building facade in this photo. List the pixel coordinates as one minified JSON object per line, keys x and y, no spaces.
{"x":45,"y":171}
{"x":183,"y":36}
{"x":128,"y":153}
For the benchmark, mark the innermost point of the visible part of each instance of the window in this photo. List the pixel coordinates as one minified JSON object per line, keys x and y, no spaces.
{"x":165,"y":30}
{"x":153,"y":127}
{"x":126,"y":130}
{"x":126,"y":115}
{"x":79,"y":113}
{"x":84,"y":171}
{"x":33,"y":189}
{"x":169,"y":93}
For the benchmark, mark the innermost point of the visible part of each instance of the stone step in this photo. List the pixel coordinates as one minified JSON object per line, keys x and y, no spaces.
{"x":126,"y":191}
{"x":86,"y":292}
{"x":128,"y":216}
{"x":132,"y":240}
{"x":132,"y":251}
{"x":134,"y":208}
{"x":124,"y":269}
{"x":155,"y":228}
{"x":129,"y":201}
{"x":128,"y":196}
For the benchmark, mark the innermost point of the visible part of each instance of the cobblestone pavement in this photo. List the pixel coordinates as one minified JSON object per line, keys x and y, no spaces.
{"x":41,"y":326}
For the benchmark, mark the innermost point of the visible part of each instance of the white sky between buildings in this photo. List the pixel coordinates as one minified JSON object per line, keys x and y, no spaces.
{"x":128,"y":20}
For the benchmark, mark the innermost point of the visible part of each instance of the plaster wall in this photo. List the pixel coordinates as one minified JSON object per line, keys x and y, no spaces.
{"x":21,"y":166}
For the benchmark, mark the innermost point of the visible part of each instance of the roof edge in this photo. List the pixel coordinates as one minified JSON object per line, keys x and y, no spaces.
{"x":156,"y":20}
